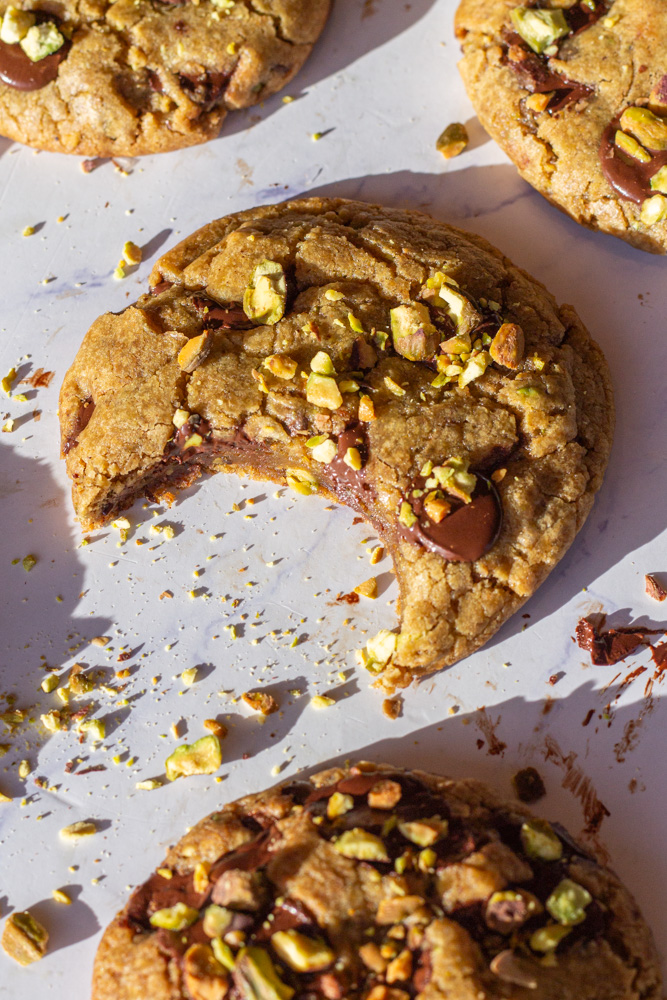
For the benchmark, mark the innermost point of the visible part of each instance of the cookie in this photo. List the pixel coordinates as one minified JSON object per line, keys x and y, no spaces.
{"x":575,"y":92}
{"x":129,"y":77}
{"x":375,"y":356}
{"x":381,"y":884}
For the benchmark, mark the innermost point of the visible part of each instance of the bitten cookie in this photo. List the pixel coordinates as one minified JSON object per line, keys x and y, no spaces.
{"x":129,"y":77}
{"x":384,"y":885}
{"x":575,"y":92}
{"x":373,"y":355}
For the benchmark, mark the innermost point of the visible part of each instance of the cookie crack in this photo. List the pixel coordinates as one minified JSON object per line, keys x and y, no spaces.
{"x":275,"y":19}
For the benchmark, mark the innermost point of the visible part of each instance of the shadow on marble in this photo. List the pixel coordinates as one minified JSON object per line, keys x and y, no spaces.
{"x":41,"y":629}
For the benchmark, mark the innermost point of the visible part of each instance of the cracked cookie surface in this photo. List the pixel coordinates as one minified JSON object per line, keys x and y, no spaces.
{"x":145,"y":76}
{"x":383,"y":884}
{"x":557,"y":112}
{"x":373,"y":355}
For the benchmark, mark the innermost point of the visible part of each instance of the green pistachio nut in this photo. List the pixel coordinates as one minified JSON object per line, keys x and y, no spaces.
{"x":322,"y":390}
{"x":567,"y":903}
{"x":631,"y":147}
{"x":42,"y":40}
{"x":223,"y":954}
{"x":361,"y":845}
{"x":647,"y":127}
{"x":414,"y":336}
{"x":659,"y":180}
{"x":425,"y":832}
{"x":547,"y":939}
{"x":302,"y":953}
{"x":539,"y":28}
{"x":264,"y":298}
{"x":381,"y":646}
{"x":174,"y":918}
{"x":540,"y":841}
{"x":15,"y":25}
{"x":202,"y":757}
{"x":216,"y":920}
{"x":255,"y":977}
{"x":322,"y":364}
{"x":653,"y":210}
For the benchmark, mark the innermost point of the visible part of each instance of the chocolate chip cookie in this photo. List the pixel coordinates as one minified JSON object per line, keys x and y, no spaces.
{"x":380,"y":884}
{"x":372,"y":355}
{"x":575,"y":92}
{"x":129,"y":77}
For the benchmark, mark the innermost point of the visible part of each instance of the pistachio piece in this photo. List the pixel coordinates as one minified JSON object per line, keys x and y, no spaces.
{"x":338,"y":804}
{"x":223,"y":953}
{"x":631,"y":147}
{"x":205,"y":978}
{"x":15,"y":24}
{"x":194,"y":351}
{"x":42,"y":40}
{"x":385,"y":794}
{"x":659,"y":180}
{"x":452,"y":141}
{"x":369,"y":588}
{"x":425,"y":832}
{"x":381,"y":647}
{"x":281,"y":366}
{"x":77,"y":831}
{"x":406,"y":514}
{"x":216,"y":920}
{"x":260,"y":702}
{"x":474,"y":368}
{"x":322,"y":390}
{"x":508,"y":910}
{"x":324,"y":451}
{"x":567,"y":903}
{"x":361,"y":845}
{"x":647,"y":127}
{"x":540,"y":841}
{"x":264,"y":298}
{"x":444,"y":292}
{"x":539,"y":28}
{"x":539,"y":102}
{"x":512,"y":968}
{"x":352,"y":459}
{"x":548,"y":938}
{"x":202,"y":757}
{"x":459,"y":344}
{"x":394,"y":387}
{"x":24,"y":939}
{"x":366,"y":410}
{"x":508,"y":345}
{"x":454,"y":478}
{"x":414,"y":336}
{"x":174,"y":918}
{"x":322,"y":364}
{"x":363,"y":355}
{"x":255,"y":977}
{"x":653,"y":210}
{"x":300,"y":481}
{"x":302,"y":953}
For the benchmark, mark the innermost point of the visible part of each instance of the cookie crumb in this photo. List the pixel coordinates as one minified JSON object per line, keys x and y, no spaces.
{"x":654,"y":588}
{"x":452,"y":141}
{"x":528,"y":785}
{"x":392,"y":707}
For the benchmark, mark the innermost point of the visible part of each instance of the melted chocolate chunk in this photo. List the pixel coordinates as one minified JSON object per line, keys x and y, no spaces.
{"x":195,"y":424}
{"x":353,"y":436}
{"x":627,"y":175}
{"x":19,"y":71}
{"x":206,"y":89}
{"x":215,"y":316}
{"x":611,"y":646}
{"x":161,"y":286}
{"x":535,"y":75}
{"x":82,"y":418}
{"x":466,"y":532}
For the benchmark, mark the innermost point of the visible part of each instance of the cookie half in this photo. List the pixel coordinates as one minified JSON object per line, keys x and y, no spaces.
{"x":375,"y":356}
{"x":575,"y":92}
{"x":380,"y":884}
{"x":144,"y":76}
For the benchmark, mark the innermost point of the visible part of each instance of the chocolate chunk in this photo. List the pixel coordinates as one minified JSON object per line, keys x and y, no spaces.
{"x":206,"y":89}
{"x":227,"y":317}
{"x":627,"y":175}
{"x":20,"y":72}
{"x":161,"y":286}
{"x":608,"y":647}
{"x":354,"y":436}
{"x":81,"y":422}
{"x":528,"y":785}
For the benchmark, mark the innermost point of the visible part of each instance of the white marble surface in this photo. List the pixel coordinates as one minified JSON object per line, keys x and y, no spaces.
{"x":382,"y":87}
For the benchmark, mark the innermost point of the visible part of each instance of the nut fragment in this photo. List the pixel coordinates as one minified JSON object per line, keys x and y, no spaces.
{"x":540,"y":841}
{"x":372,"y":958}
{"x":628,"y":145}
{"x":218,"y":729}
{"x":264,"y":298}
{"x":361,"y":845}
{"x":24,"y":939}
{"x":385,"y":794}
{"x":302,"y":953}
{"x":659,"y":180}
{"x":508,"y":910}
{"x":205,"y":978}
{"x":202,"y":757}
{"x":654,"y":588}
{"x":413,"y":333}
{"x":174,"y":918}
{"x":452,"y":141}
{"x":195,"y":351}
{"x":391,"y":707}
{"x":508,"y":345}
{"x":255,"y":977}
{"x":647,"y":127}
{"x":369,"y":588}
{"x":539,"y":28}
{"x":339,"y":804}
{"x":400,"y":968}
{"x":512,"y":968}
{"x":653,"y":210}
{"x":322,"y":390}
{"x":240,"y":890}
{"x":77,"y":831}
{"x":425,"y":832}
{"x":567,"y":903}
{"x":260,"y":702}
{"x":396,"y":909}
{"x":281,"y":366}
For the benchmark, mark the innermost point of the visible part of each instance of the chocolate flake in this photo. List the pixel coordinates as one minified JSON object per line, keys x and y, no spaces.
{"x":611,"y":646}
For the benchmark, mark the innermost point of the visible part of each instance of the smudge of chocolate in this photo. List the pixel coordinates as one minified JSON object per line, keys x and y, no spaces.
{"x":41,"y":379}
{"x":487,"y":727}
{"x":83,"y":416}
{"x":350,"y":598}
{"x":627,"y":175}
{"x":19,"y":71}
{"x":589,"y":715}
{"x":207,"y":89}
{"x":195,"y":424}
{"x":466,"y":532}
{"x":611,"y":646}
{"x":291,"y":913}
{"x":215,"y":316}
{"x":155,"y":83}
{"x":659,"y":657}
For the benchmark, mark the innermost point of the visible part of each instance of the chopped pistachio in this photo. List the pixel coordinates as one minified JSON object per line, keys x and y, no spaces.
{"x":189,"y":676}
{"x":281,"y":366}
{"x":174,"y":918}
{"x":15,"y":24}
{"x":195,"y":351}
{"x":41,"y":40}
{"x":256,"y":978}
{"x":647,"y":127}
{"x":200,"y":880}
{"x":53,"y":721}
{"x":301,"y":953}
{"x":325,"y":451}
{"x":61,"y":897}
{"x":355,"y":324}
{"x":320,"y":701}
{"x":631,"y":147}
{"x":547,"y":939}
{"x":265,"y":297}
{"x":443,"y":291}
{"x":393,"y":386}
{"x":539,"y":28}
{"x":361,"y":845}
{"x":300,"y":481}
{"x":223,"y":953}
{"x":452,"y":141}
{"x":8,"y":381}
{"x":369,"y":588}
{"x":338,"y":804}
{"x":567,"y":903}
{"x":50,"y":683}
{"x":28,"y":562}
{"x":475,"y":368}
{"x":322,"y":390}
{"x":413,"y":333}
{"x":425,"y":832}
{"x":260,"y":702}
{"x":406,"y":514}
{"x":79,"y":830}
{"x":539,"y":102}
{"x":366,"y":409}
{"x":202,"y":757}
{"x":659,"y":180}
{"x":148,"y":785}
{"x":352,"y":458}
{"x":24,"y":939}
{"x":322,"y":364}
{"x":653,"y":210}
{"x":380,"y":648}
{"x":540,"y":841}
{"x":333,"y":295}
{"x":216,"y":920}
{"x":348,"y":385}
{"x":508,"y":345}
{"x":132,"y":253}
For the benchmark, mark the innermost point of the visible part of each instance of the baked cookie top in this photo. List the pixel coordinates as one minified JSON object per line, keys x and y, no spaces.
{"x":382,"y":884}
{"x":575,"y":92}
{"x":376,"y":356}
{"x":129,"y":77}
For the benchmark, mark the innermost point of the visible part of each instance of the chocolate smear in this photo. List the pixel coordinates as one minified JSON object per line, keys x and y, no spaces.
{"x":627,"y":175}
